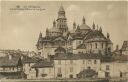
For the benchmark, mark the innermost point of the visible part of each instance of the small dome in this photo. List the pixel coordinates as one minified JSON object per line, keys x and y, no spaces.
{"x":84,"y":26}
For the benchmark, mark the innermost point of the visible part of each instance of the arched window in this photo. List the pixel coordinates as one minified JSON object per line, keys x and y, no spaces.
{"x":109,"y":49}
{"x":96,"y":45}
{"x":102,"y":45}
{"x":95,"y":62}
{"x":91,"y":46}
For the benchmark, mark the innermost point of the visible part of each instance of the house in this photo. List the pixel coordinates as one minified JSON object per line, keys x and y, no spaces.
{"x":117,"y":68}
{"x":11,"y":67}
{"x":27,"y":63}
{"x":42,"y":70}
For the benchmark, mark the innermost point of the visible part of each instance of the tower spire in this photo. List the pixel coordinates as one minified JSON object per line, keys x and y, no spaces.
{"x":40,"y":35}
{"x":93,"y":25}
{"x":74,"y":25}
{"x":97,"y":27}
{"x":61,"y":8}
{"x":54,"y":23}
{"x":61,"y":20}
{"x":83,"y":20}
{"x":108,"y":35}
{"x":39,"y":41}
{"x":100,"y":29}
{"x":47,"y":32}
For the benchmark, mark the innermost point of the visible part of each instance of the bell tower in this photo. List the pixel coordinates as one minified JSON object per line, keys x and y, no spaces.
{"x":62,"y":20}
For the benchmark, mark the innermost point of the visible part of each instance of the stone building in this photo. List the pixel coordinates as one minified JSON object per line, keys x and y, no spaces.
{"x":93,"y":39}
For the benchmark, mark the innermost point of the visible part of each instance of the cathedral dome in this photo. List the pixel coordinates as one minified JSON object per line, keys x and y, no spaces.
{"x":84,"y":26}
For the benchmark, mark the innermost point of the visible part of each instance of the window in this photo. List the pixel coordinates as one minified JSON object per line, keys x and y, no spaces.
{"x":79,"y":42}
{"x":96,"y":45}
{"x":3,"y":68}
{"x":107,"y":74}
{"x":107,"y":67}
{"x":70,"y":76}
{"x":83,"y":61}
{"x":59,"y":62}
{"x":30,"y":69}
{"x":71,"y":61}
{"x":59,"y":70}
{"x":95,"y":61}
{"x":71,"y":69}
{"x":91,"y":46}
{"x":37,"y":72}
{"x":121,"y":74}
{"x":49,"y":70}
{"x":102,"y":45}
{"x":39,"y":53}
{"x":59,"y":75}
{"x":43,"y":71}
{"x":29,"y":64}
{"x":109,"y":49}
{"x":13,"y":68}
{"x":89,"y":61}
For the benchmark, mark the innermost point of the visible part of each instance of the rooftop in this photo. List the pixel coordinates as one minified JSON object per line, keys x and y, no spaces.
{"x":71,"y":56}
{"x":6,"y":61}
{"x":42,"y":64}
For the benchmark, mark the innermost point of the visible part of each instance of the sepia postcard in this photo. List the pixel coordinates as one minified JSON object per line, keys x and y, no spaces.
{"x":63,"y":41}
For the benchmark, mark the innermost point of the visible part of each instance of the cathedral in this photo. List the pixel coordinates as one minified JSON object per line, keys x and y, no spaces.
{"x":82,"y":39}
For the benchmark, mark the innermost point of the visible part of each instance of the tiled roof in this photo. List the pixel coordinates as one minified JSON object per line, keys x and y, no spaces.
{"x":6,"y":62}
{"x":53,"y":38}
{"x":120,"y":57}
{"x":94,"y":34}
{"x":27,"y":59}
{"x":77,"y":36}
{"x":70,"y":56}
{"x":43,"y":64}
{"x":59,"y":38}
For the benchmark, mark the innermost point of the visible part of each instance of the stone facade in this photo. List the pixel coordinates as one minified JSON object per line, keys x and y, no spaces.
{"x":59,"y":35}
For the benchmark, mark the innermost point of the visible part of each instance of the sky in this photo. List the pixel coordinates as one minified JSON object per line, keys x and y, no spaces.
{"x":19,"y":29}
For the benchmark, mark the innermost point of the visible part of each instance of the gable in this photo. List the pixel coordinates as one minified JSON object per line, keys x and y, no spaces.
{"x":59,"y":39}
{"x":70,"y":37}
